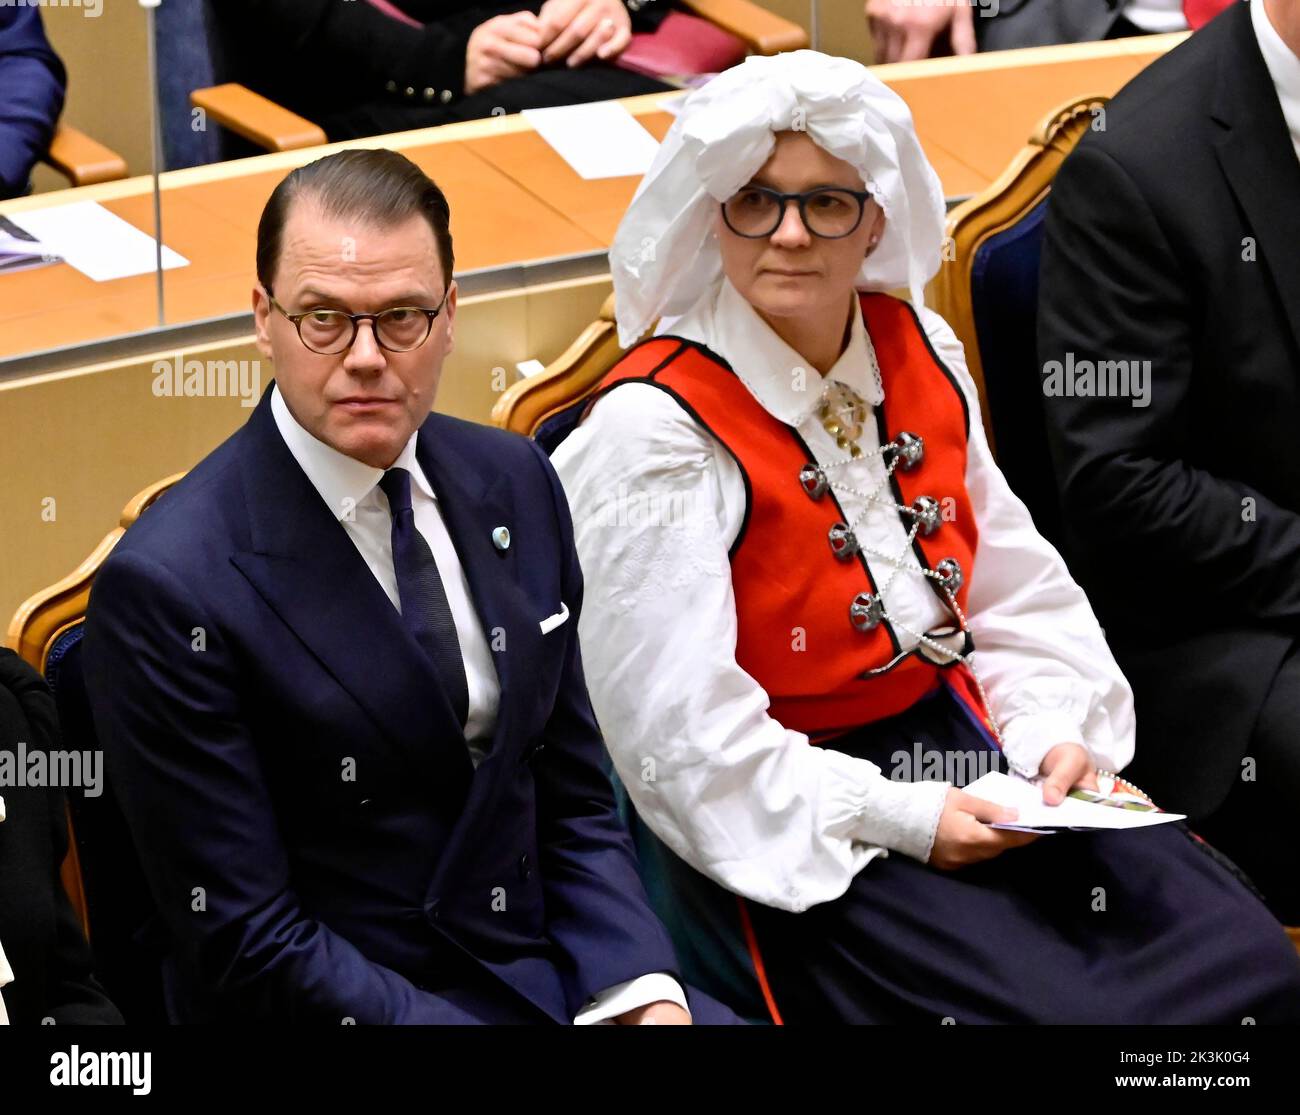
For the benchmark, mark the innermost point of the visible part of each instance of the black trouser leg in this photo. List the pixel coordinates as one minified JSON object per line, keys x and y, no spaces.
{"x":1254,"y":826}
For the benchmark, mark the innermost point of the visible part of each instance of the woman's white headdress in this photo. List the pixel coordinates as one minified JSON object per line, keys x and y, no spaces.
{"x":665,"y":254}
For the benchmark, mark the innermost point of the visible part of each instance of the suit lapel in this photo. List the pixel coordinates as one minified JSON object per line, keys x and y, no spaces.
{"x":302,"y":562}
{"x":473,"y":509}
{"x":1259,"y":160}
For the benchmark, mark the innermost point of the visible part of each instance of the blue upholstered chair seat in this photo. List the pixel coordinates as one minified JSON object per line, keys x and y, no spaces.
{"x":1004,"y":299}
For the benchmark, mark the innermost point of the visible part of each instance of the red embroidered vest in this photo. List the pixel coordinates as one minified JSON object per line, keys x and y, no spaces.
{"x":796,"y":635}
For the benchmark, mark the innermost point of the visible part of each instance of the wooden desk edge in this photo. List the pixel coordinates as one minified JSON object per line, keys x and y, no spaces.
{"x":1140,"y":46}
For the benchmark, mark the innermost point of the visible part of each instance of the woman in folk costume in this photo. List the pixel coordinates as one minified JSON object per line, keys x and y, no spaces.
{"x":808,"y":586}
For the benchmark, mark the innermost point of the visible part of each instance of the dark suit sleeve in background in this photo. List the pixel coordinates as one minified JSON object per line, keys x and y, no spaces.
{"x":32,"y":83}
{"x":38,"y":927}
{"x":354,"y":37}
{"x":1140,"y":516}
{"x":75,"y":997}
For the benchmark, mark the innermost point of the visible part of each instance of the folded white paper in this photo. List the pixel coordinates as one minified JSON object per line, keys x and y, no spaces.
{"x":599,"y":140}
{"x":1072,"y":813}
{"x":19,"y":251}
{"x":96,"y":242}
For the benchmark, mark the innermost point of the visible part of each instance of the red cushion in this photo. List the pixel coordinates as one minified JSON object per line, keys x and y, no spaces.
{"x":682,"y":44}
{"x":1200,"y":12}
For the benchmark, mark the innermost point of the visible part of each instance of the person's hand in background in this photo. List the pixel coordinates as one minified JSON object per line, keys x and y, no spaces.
{"x":906,"y":32}
{"x":579,"y":30}
{"x":503,"y":47}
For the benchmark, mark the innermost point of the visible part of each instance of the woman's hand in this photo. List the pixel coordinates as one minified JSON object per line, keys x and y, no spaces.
{"x":582,"y":29}
{"x":503,"y":47}
{"x":964,"y":837}
{"x":1066,"y":766}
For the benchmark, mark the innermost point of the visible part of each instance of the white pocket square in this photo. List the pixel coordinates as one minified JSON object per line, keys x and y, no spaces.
{"x":550,"y":623}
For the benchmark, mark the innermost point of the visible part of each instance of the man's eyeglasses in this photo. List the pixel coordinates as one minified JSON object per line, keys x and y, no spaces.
{"x":397,"y":329}
{"x":830,"y":212}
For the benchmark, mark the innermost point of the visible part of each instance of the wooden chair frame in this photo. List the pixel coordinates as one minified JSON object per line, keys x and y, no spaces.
{"x":39,"y":622}
{"x":573,"y":375}
{"x":1025,"y":183}
{"x":42,"y":618}
{"x":84,"y":161}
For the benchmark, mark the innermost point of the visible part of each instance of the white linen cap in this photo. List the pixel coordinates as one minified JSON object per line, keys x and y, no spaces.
{"x":665,"y":254}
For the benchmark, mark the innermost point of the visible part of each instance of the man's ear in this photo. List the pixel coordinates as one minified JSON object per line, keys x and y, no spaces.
{"x":449,"y":310}
{"x":262,"y":320}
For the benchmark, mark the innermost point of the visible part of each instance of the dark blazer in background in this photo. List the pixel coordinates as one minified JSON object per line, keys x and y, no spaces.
{"x":32,"y":83}
{"x":39,"y":930}
{"x":347,"y":66}
{"x":421,"y":889}
{"x":1021,"y":23}
{"x":1174,"y":236}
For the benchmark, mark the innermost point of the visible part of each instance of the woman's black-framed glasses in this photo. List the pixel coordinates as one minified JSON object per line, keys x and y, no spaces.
{"x":397,"y":329}
{"x":830,"y":212}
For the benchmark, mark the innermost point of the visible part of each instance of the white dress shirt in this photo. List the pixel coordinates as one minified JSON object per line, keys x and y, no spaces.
{"x":350,"y":489}
{"x":1156,"y":16}
{"x":744,"y":800}
{"x":1283,"y":68}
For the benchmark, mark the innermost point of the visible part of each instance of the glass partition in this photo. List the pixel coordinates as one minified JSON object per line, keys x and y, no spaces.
{"x":77,"y":264}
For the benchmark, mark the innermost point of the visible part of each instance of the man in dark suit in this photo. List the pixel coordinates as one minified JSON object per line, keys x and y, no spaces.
{"x":45,"y":965}
{"x":1171,"y":259}
{"x":32,"y":79}
{"x":376,"y":66}
{"x":336,"y":672}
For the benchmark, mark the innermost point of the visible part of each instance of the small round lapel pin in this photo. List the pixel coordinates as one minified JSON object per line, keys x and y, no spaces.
{"x":501,"y":538}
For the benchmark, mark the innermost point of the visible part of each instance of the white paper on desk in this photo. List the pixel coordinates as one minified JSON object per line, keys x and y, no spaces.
{"x":96,"y":242}
{"x":599,"y":140}
{"x":1027,"y":798}
{"x":18,"y":252}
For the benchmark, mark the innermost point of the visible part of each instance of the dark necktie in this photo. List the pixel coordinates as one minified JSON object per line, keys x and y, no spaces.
{"x":1200,"y":12}
{"x":425,"y":610}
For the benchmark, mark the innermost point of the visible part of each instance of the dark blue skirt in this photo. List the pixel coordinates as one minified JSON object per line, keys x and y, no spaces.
{"x":1146,"y":926}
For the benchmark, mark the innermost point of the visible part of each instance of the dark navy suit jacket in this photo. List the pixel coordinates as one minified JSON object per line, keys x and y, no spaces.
{"x":32,"y":80}
{"x":242,"y":660}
